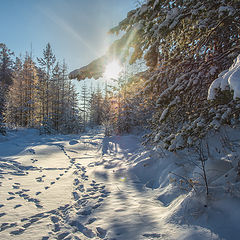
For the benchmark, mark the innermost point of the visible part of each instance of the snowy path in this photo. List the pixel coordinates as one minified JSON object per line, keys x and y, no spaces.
{"x":67,"y":190}
{"x":79,"y":187}
{"x":44,"y":189}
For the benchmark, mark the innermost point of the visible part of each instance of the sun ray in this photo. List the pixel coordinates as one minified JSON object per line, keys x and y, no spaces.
{"x":112,"y":70}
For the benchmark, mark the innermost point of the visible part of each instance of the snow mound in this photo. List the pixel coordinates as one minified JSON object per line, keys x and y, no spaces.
{"x":227,"y":80}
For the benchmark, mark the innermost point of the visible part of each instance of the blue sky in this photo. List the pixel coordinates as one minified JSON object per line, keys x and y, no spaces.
{"x":76,"y":29}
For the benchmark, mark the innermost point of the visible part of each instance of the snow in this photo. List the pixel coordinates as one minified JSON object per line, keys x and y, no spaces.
{"x":226,"y":9}
{"x":171,"y":20}
{"x":164,"y":114}
{"x":229,"y":79}
{"x":94,"y":187}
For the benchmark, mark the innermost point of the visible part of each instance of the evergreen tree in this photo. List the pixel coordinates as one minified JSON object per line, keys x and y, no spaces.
{"x":14,"y":107}
{"x":22,"y":109}
{"x":42,"y":97}
{"x":6,"y":64}
{"x":185,"y":45}
{"x":47,"y":65}
{"x":84,"y":104}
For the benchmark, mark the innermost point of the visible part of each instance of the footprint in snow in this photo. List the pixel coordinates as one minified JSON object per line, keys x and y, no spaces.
{"x":76,"y":182}
{"x":33,"y":160}
{"x":52,"y":183}
{"x":86,"y":231}
{"x":17,"y":206}
{"x":55,"y":219}
{"x":63,"y":235}
{"x":10,"y":198}
{"x":91,"y":165}
{"x":37,"y":193}
{"x":120,"y":210}
{"x":39,"y":179}
{"x":153,"y":235}
{"x":25,"y":190}
{"x":18,"y":232}
{"x":75,"y":196}
{"x":19,"y":192}
{"x":1,"y":205}
{"x":91,"y":220}
{"x":45,"y":238}
{"x":5,"y":226}
{"x":96,"y":206}
{"x":81,"y":203}
{"x":46,"y":187}
{"x":73,"y":142}
{"x":27,"y":225}
{"x":101,"y":232}
{"x":75,"y":172}
{"x":80,"y":188}
{"x":38,"y":206}
{"x":56,"y":227}
{"x":32,"y":151}
{"x":86,"y":212}
{"x":2,"y":214}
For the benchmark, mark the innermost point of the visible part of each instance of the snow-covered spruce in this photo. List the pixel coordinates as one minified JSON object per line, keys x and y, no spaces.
{"x":222,"y":107}
{"x":228,"y":80}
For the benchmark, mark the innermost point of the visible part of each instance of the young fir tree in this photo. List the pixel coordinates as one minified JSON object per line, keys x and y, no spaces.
{"x":84,"y":105}
{"x":6,"y":71}
{"x":14,"y":106}
{"x":97,"y":112}
{"x":30,"y":81}
{"x":47,"y":65}
{"x":22,"y":108}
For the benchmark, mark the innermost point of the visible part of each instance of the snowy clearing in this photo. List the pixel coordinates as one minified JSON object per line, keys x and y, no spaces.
{"x":96,"y":187}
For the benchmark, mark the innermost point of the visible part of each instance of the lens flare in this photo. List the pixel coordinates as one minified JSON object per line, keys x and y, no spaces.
{"x":113,"y":70}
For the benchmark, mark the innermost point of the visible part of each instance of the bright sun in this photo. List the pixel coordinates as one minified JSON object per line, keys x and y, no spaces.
{"x":113,"y":70}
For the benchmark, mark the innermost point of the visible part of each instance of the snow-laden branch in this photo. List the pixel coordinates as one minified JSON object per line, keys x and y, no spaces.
{"x":227,"y":80}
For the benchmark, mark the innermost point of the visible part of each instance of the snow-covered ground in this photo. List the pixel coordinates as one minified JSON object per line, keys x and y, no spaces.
{"x":96,"y":187}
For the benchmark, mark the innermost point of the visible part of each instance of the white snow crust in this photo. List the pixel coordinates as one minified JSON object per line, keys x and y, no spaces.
{"x":96,"y":187}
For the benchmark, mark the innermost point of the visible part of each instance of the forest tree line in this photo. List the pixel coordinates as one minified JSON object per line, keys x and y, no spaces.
{"x":37,"y":94}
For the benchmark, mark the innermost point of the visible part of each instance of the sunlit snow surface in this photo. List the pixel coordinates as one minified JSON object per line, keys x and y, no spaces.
{"x":96,"y":187}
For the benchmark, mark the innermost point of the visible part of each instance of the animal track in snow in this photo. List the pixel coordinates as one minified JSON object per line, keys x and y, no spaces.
{"x":2,"y":214}
{"x":75,"y":196}
{"x":10,"y":198}
{"x":33,"y":160}
{"x":154,"y":235}
{"x":17,"y":206}
{"x":15,"y":186}
{"x":101,"y":232}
